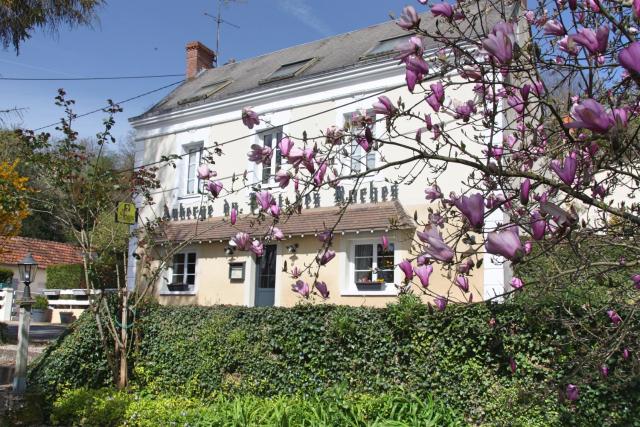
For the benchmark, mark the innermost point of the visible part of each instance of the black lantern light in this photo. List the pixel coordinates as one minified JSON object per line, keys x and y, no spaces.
{"x":28,"y":268}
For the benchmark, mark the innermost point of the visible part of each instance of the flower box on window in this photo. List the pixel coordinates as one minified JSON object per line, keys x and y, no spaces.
{"x":178,"y":287}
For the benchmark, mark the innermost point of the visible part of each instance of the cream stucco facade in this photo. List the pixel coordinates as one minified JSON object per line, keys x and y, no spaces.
{"x":310,"y":105}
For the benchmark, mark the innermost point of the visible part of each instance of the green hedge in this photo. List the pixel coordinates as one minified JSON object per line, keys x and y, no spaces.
{"x":107,"y":407}
{"x":6,"y":276}
{"x":65,"y":277}
{"x":461,"y":357}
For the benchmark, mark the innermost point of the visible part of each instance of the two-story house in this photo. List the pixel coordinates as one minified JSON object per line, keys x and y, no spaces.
{"x":298,"y":92}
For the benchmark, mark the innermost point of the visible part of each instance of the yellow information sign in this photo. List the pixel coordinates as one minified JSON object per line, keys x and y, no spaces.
{"x":126,"y":213}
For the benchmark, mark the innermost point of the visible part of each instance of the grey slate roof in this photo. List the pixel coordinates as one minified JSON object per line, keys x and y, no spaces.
{"x":331,"y":54}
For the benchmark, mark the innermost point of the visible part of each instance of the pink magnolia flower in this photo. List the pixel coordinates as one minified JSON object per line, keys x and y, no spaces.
{"x":464,"y":111}
{"x":604,"y":370}
{"x":566,"y":170}
{"x":424,"y":273}
{"x":384,"y":240}
{"x":442,"y":9}
{"x":285,"y":145}
{"x":409,"y":18}
{"x":629,"y":57}
{"x":441,"y":303}
{"x":594,"y":41}
{"x":516,"y":283}
{"x":626,"y":353}
{"x":436,"y":98}
{"x":465,"y":267}
{"x":636,"y":8}
{"x":214,"y":187}
{"x":462,"y":282}
{"x":260,"y":154}
{"x":528,"y":247}
{"x":411,"y":47}
{"x":384,"y":106}
{"x":472,"y":207}
{"x":275,"y":233}
{"x":295,"y":272}
{"x":406,"y":268}
{"x":433,"y":193}
{"x":568,"y":45}
{"x":572,"y":392}
{"x":505,"y":243}
{"x":265,"y":200}
{"x":205,"y":173}
{"x":295,"y":156}
{"x":242,"y":241}
{"x":325,"y":236}
{"x":525,"y":189}
{"x":234,"y":216}
{"x":326,"y":256}
{"x":554,"y":28}
{"x":274,"y":210}
{"x":435,"y":245}
{"x":614,"y":316}
{"x":302,"y":288}
{"x":257,"y":248}
{"x":636,"y":280}
{"x":318,"y":177}
{"x":322,"y":288}
{"x":590,"y":114}
{"x":282,"y":178}
{"x":499,"y":44}
{"x":416,"y":69}
{"x":250,"y":118}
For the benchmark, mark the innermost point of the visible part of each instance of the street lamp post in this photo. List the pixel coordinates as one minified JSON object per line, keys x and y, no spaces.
{"x":28,"y":269}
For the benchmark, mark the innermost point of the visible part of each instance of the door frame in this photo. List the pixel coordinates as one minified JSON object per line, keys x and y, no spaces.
{"x":252,"y":277}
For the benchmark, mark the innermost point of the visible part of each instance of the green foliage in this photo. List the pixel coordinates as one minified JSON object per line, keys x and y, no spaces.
{"x":65,"y":277}
{"x":41,"y":303}
{"x":6,"y":276}
{"x":84,"y":407}
{"x":110,"y":408}
{"x":461,"y":357}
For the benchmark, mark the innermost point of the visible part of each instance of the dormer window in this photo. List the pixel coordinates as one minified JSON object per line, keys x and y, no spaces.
{"x":289,"y":70}
{"x":386,"y":46}
{"x":206,"y":91}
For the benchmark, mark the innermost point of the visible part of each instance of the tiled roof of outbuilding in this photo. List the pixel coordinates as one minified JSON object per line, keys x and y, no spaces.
{"x":361,"y":217}
{"x":45,"y":252}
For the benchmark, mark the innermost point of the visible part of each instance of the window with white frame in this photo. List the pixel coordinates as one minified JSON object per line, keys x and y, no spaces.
{"x":270,"y":138}
{"x":193,"y":157}
{"x":372,"y":264}
{"x":360,"y":160}
{"x":183,"y":272}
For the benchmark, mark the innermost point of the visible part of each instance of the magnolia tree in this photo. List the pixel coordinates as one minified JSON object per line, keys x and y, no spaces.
{"x":555,"y":99}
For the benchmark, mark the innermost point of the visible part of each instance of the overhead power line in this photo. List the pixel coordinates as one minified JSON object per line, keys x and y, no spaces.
{"x":56,"y":79}
{"x":97,"y":110}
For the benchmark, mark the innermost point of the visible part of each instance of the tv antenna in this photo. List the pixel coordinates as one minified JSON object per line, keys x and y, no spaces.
{"x":218,"y":19}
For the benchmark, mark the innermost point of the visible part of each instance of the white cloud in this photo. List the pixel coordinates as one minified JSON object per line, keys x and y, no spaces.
{"x":301,"y":10}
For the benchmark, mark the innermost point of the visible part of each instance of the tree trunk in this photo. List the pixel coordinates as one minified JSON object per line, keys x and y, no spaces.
{"x":123,"y":377}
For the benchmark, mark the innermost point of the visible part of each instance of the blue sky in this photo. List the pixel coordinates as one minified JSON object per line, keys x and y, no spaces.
{"x":147,"y":37}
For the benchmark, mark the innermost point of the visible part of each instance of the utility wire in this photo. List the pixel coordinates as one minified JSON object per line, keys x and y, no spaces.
{"x":117,"y":103}
{"x":55,"y":79}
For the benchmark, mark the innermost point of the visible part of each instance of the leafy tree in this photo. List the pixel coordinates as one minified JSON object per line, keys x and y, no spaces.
{"x":18,"y":19}
{"x":13,"y":206}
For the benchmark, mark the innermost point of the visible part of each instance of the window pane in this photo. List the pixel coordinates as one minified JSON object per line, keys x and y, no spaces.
{"x":178,"y":259}
{"x":268,"y":140}
{"x":364,"y":263}
{"x":386,"y":46}
{"x":191,"y":258}
{"x":278,"y":155}
{"x":364,"y":250}
{"x":191,"y":279}
{"x":387,"y":275}
{"x":362,"y":276}
{"x":266,"y":173}
{"x":191,"y":269}
{"x":371,"y":160}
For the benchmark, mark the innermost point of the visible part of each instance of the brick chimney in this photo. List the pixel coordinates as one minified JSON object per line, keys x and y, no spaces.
{"x":199,"y":57}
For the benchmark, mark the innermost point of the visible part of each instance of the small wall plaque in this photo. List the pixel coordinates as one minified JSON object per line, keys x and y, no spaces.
{"x":236,"y":271}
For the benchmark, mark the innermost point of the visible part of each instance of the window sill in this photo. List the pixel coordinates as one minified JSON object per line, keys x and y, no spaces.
{"x":357,"y":293}
{"x":177,"y":293}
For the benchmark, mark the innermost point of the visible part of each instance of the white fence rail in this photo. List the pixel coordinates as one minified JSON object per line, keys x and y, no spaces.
{"x":6,"y":304}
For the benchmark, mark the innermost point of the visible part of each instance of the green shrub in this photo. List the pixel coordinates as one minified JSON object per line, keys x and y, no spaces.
{"x":41,"y":303}
{"x":83,"y":407}
{"x":110,"y":408}
{"x":6,"y":276}
{"x":65,"y":277}
{"x":460,"y":356}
